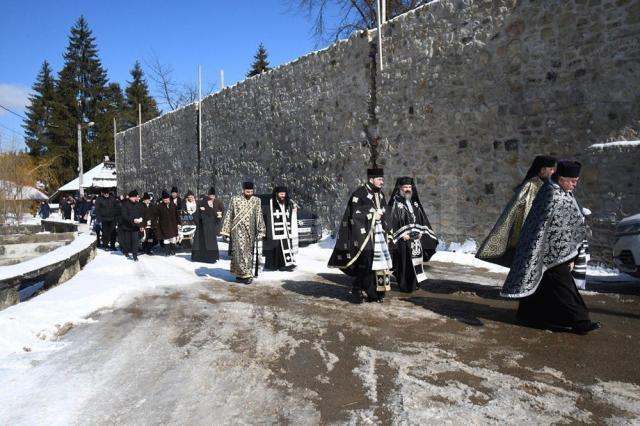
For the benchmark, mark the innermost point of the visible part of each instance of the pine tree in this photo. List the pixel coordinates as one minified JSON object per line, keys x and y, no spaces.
{"x":137,"y":92}
{"x":116,"y":109}
{"x":80,"y":98}
{"x":38,"y":121}
{"x":260,"y":63}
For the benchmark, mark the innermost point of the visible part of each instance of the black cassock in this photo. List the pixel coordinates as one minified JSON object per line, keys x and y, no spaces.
{"x":128,"y":230}
{"x":354,"y":251}
{"x":281,"y":244}
{"x":208,"y":221}
{"x":409,"y":218}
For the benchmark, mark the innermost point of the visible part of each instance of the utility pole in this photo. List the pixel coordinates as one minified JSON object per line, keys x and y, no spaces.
{"x":379,"y":4}
{"x":221,"y":79}
{"x":80,"y":170}
{"x":115,"y":146}
{"x":80,"y":166}
{"x":140,"y":134}
{"x":199,"y":108}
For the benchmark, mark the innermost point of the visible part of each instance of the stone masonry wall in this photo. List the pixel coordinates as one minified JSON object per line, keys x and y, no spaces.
{"x":470,"y":91}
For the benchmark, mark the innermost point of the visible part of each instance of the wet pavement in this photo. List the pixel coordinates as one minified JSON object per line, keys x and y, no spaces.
{"x":298,"y":352}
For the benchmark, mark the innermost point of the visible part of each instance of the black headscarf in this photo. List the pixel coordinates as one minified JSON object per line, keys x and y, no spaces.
{"x":538,"y":163}
{"x":397,"y":191}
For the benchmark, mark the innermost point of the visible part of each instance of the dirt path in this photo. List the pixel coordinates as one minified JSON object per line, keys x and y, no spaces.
{"x":298,"y":352}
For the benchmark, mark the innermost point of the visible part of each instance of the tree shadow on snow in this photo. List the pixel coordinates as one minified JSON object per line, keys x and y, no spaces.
{"x":451,"y":287}
{"x":338,"y":278}
{"x":319,"y":289}
{"x":469,"y":313}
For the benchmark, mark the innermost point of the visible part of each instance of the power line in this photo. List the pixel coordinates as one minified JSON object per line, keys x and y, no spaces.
{"x":12,"y":112}
{"x":11,"y":130}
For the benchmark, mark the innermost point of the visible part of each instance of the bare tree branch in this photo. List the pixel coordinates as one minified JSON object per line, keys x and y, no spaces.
{"x":352,"y":15}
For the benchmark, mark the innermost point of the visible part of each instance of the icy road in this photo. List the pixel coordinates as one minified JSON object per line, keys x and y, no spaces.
{"x":167,"y":341}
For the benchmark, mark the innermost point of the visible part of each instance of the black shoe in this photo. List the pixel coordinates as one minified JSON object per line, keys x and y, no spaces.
{"x":356,"y":297}
{"x":244,"y":280}
{"x":135,"y":257}
{"x":584,"y":327}
{"x":380,"y":300}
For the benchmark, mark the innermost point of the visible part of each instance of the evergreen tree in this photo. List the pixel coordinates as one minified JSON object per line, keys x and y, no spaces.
{"x":81,"y":97}
{"x":37,"y":123}
{"x":116,"y":109}
{"x":260,"y":63}
{"x":137,"y":92}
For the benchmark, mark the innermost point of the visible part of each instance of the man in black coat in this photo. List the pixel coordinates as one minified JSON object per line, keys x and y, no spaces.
{"x":106,"y":214}
{"x":66,"y":207}
{"x":176,"y":199}
{"x":168,"y":221}
{"x":131,"y":221}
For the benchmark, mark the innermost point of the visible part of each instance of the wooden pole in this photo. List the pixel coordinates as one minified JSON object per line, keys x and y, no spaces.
{"x":379,"y":19}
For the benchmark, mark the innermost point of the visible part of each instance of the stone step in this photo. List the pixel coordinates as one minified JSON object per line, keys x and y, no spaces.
{"x":19,"y":229}
{"x":35,"y":238}
{"x":30,"y":250}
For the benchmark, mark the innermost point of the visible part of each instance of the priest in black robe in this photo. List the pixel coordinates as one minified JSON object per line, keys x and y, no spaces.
{"x":361,"y":249}
{"x":208,"y":218}
{"x":549,"y":245}
{"x":414,"y":242}
{"x":281,"y":243}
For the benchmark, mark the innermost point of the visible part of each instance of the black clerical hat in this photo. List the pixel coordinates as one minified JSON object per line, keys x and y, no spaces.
{"x":247,"y":185}
{"x":165,"y":195}
{"x":212,"y":191}
{"x":569,"y":168}
{"x":404,"y":180}
{"x":375,"y":172}
{"x":544,"y":161}
{"x":174,"y":189}
{"x":280,"y":188}
{"x":146,"y":196}
{"x":133,"y":193}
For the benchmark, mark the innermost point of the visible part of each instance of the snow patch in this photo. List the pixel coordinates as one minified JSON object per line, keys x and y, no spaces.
{"x":618,"y":144}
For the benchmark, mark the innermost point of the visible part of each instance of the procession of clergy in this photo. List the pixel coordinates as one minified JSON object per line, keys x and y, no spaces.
{"x":540,"y":236}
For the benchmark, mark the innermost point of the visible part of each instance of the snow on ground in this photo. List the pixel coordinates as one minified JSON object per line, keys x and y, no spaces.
{"x":31,"y":329}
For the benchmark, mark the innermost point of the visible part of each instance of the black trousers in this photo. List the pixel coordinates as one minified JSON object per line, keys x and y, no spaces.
{"x":367,"y":282}
{"x":274,"y":259}
{"x":107,"y":230}
{"x":556,"y":301}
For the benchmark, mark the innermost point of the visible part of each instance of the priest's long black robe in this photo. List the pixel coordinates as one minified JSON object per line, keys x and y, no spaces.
{"x":208,"y":220}
{"x":540,"y":274}
{"x":280,"y":246}
{"x":354,"y":249}
{"x":409,"y":255}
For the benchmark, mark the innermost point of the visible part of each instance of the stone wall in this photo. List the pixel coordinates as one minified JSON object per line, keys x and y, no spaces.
{"x":470,"y":91}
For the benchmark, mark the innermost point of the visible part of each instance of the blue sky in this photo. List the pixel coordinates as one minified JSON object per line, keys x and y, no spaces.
{"x":217,"y":34}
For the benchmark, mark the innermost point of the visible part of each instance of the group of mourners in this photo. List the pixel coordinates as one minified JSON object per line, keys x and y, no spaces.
{"x":142,"y":224}
{"x":540,"y":235}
